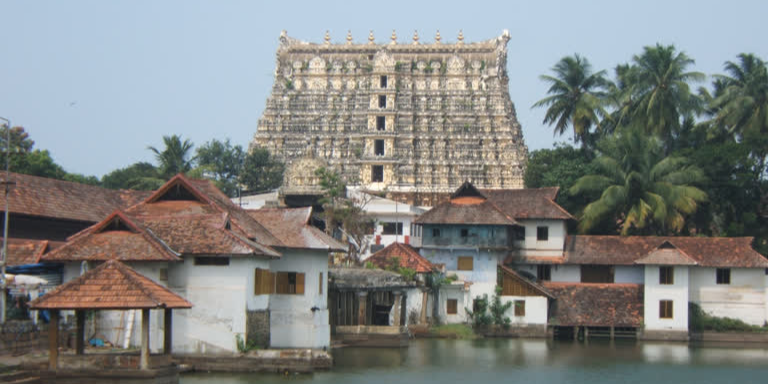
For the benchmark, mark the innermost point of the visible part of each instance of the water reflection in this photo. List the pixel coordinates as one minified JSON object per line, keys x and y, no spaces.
{"x":531,"y":361}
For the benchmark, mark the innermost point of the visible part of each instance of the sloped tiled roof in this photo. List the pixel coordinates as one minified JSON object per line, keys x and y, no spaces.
{"x":44,"y":197}
{"x":666,"y":254}
{"x":26,"y":251}
{"x":291,"y":226}
{"x":116,"y":237}
{"x":597,"y":305}
{"x":111,"y":285}
{"x":536,"y":287}
{"x":733,"y":252}
{"x":529,"y":203}
{"x":407,"y":256}
{"x":466,"y":210}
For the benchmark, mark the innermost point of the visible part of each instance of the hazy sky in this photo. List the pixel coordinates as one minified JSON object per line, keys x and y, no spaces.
{"x":96,"y":82}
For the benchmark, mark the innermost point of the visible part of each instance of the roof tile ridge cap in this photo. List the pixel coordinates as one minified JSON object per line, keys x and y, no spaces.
{"x":130,"y":274}
{"x":66,"y":285}
{"x":41,"y":252}
{"x":156,"y":241}
{"x":234,"y":222}
{"x":557,"y":206}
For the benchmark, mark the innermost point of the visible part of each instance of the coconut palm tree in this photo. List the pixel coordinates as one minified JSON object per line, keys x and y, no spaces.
{"x":175,"y":157}
{"x":640,"y":190}
{"x":660,"y":92}
{"x":740,"y":103}
{"x":576,"y":98}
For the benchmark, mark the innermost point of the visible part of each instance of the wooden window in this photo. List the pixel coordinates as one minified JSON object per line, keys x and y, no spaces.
{"x":666,"y":275}
{"x":383,"y":81}
{"x":391,"y":228}
{"x":381,"y":123}
{"x":377,"y":173}
{"x":215,"y":261}
{"x":378,"y":147}
{"x":451,"y":306}
{"x":665,"y":309}
{"x":382,"y":101}
{"x":435,"y":232}
{"x":519,"y":307}
{"x":723,"y":276}
{"x":542,"y":233}
{"x":544,"y":272}
{"x":263,"y":282}
{"x":596,"y":274}
{"x":320,"y":284}
{"x":466,"y":263}
{"x":289,"y":283}
{"x":164,"y":274}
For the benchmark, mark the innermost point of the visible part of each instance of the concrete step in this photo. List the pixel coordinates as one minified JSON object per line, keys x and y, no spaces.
{"x":19,"y":377}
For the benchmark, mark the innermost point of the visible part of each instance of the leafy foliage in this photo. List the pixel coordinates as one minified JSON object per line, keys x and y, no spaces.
{"x":260,"y":171}
{"x":698,"y":321}
{"x":175,"y":157}
{"x":221,"y":162}
{"x":140,"y":176}
{"x":560,"y":167}
{"x":486,"y":313}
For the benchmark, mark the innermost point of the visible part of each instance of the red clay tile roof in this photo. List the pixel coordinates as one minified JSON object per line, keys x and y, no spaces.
{"x":597,"y":305}
{"x":666,"y":256}
{"x":466,"y":210}
{"x":407,"y":256}
{"x":116,"y":237}
{"x":25,"y":251}
{"x":733,"y":252}
{"x":514,"y":257}
{"x":530,"y":203}
{"x":291,"y":227}
{"x":111,"y":285}
{"x":40,"y":196}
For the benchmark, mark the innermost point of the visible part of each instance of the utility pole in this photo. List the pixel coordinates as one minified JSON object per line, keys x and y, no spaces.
{"x":7,"y":185}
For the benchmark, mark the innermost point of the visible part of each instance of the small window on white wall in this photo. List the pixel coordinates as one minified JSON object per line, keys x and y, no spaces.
{"x":542,"y":233}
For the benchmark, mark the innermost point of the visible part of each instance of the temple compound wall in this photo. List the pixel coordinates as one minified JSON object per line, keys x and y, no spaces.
{"x":398,"y":117}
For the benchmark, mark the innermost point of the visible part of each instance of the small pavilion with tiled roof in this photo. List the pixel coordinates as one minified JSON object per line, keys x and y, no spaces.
{"x":110,"y":286}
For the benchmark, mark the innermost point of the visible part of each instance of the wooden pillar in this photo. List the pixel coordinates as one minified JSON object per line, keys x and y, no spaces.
{"x":168,"y":333}
{"x":144,"y":339}
{"x":80,"y":334}
{"x":53,"y":340}
{"x":362,"y":298}
{"x":398,"y":307}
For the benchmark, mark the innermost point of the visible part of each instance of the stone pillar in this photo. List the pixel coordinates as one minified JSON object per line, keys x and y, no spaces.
{"x":144,"y":339}
{"x":613,"y":332}
{"x":424,"y":298}
{"x":168,"y":332}
{"x":398,"y":307}
{"x":362,"y":297}
{"x":53,"y":340}
{"x":80,"y":340}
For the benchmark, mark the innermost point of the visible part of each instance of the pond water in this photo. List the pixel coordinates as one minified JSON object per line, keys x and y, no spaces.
{"x":489,"y":361}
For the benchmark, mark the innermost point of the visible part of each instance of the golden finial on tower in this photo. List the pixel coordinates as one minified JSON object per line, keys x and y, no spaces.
{"x":370,"y":38}
{"x":461,"y":37}
{"x":327,"y":37}
{"x":349,"y":37}
{"x":393,"y":37}
{"x":437,"y":37}
{"x":415,"y":37}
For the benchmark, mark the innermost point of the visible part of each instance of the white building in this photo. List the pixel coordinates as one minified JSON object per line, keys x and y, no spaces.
{"x":260,"y":276}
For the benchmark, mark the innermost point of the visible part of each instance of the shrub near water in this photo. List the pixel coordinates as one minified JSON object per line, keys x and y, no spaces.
{"x":698,"y":321}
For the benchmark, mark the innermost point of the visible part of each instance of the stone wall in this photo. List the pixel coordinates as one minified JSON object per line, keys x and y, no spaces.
{"x":257,"y":327}
{"x":442,"y":113}
{"x":19,"y":337}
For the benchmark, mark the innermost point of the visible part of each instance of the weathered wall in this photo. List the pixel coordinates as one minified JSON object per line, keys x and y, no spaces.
{"x":301,"y":321}
{"x":536,"y":309}
{"x":744,"y":298}
{"x":257,"y":327}
{"x":553,"y":246}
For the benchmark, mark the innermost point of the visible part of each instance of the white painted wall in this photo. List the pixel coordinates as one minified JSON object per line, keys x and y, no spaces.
{"x":454,"y":291}
{"x":218,"y":295}
{"x":655,"y":292}
{"x":744,"y":298}
{"x":558,"y":272}
{"x":552,"y":247}
{"x":293,"y":324}
{"x":413,"y":303}
{"x":536,"y":308}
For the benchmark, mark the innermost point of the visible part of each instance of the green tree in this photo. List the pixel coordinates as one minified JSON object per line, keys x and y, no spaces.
{"x":260,"y":171}
{"x":334,"y":193}
{"x":175,"y":157}
{"x":741,"y":104}
{"x":140,"y":176}
{"x":222,"y":162}
{"x":642,"y":191}
{"x":576,"y":98}
{"x":560,"y":167}
{"x":658,"y":81}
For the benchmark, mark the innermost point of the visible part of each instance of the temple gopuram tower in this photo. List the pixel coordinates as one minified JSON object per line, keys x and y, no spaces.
{"x":416,"y":117}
